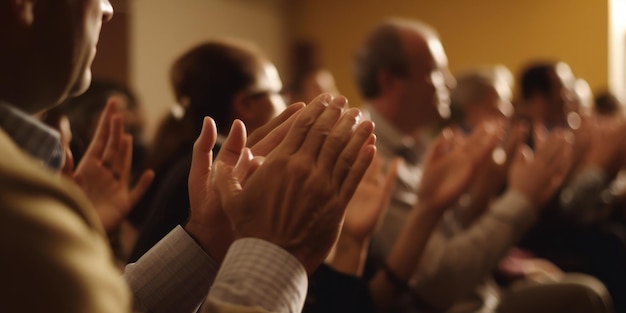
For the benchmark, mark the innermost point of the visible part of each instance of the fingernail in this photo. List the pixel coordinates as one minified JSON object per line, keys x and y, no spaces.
{"x":339,"y":102}
{"x":356,"y":113}
{"x":326,"y":99}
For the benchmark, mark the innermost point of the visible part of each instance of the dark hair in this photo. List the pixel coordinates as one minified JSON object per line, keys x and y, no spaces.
{"x":208,"y":77}
{"x":607,"y":104}
{"x":205,"y":80}
{"x":536,"y":79}
{"x":382,"y":50}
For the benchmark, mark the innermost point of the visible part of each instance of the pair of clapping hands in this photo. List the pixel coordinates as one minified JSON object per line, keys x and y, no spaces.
{"x":456,"y":165}
{"x":288,"y":183}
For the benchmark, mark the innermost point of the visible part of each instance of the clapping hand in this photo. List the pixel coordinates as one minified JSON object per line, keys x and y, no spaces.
{"x":104,"y":171}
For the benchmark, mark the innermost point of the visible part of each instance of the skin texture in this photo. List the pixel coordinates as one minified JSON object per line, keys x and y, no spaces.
{"x":301,"y":208}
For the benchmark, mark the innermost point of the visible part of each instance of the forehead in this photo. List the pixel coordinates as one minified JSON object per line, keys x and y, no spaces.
{"x":424,"y":49}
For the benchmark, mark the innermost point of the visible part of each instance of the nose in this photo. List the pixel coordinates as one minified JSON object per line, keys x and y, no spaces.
{"x":107,"y":10}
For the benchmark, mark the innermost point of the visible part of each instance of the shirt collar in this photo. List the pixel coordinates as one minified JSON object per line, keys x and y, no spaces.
{"x":31,"y":135}
{"x":395,"y":140}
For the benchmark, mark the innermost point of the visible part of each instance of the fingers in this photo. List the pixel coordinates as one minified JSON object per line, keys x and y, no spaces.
{"x":202,"y":156}
{"x":279,"y":121}
{"x":523,"y":155}
{"x":482,"y":142}
{"x":268,"y":143}
{"x":126,"y":158}
{"x":345,"y":162}
{"x":337,"y":139}
{"x":439,"y":148}
{"x":101,"y":135}
{"x":321,"y":129}
{"x":390,"y":180}
{"x":517,"y":135}
{"x":551,"y":149}
{"x":114,"y":157}
{"x":355,"y":173}
{"x":301,"y":126}
{"x":141,"y":187}
{"x":230,"y":151}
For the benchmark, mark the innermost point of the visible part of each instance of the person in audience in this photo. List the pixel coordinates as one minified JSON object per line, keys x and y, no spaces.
{"x":402,"y":75}
{"x":76,"y":119}
{"x":57,"y":242}
{"x":572,"y":231}
{"x":224,"y":79}
{"x":401,"y":71}
{"x":607,"y":104}
{"x":480,"y":95}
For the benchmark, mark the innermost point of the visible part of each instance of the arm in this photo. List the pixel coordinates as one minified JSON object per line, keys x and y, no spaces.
{"x":452,"y":267}
{"x":174,"y":276}
{"x":601,"y":156}
{"x":457,"y":263}
{"x":448,"y":169}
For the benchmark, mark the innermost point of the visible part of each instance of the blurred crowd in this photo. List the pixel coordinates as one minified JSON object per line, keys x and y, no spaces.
{"x":477,"y":191}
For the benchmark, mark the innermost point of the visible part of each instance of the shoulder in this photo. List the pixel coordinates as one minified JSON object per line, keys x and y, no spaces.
{"x":56,"y":253}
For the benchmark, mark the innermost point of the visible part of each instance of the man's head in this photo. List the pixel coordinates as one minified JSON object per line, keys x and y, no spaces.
{"x":48,"y":48}
{"x":482,"y":94}
{"x":402,"y":70}
{"x":227,"y":80}
{"x":548,"y":94}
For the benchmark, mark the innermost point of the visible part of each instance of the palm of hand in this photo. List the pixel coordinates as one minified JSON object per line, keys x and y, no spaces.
{"x":451,"y":164}
{"x":363,"y":210}
{"x":370,"y":200}
{"x":108,"y":195}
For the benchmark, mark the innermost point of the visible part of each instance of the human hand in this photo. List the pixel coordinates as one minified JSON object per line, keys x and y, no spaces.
{"x":538,"y":175}
{"x":519,"y":266}
{"x":451,"y":163}
{"x":104,"y":171}
{"x":298,"y":197}
{"x":370,"y":201}
{"x":491,"y":176}
{"x":606,"y":144}
{"x":265,"y":138}
{"x":207,"y":222}
{"x":364,"y":211}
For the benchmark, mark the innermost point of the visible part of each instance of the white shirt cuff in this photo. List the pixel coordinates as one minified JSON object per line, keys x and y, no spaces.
{"x":257,"y":273}
{"x":173,"y":276}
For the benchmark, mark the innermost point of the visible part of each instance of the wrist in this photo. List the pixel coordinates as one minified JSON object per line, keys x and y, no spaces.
{"x":214,"y":244}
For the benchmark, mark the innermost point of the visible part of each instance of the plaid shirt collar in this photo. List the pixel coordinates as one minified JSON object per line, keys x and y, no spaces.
{"x":37,"y":139}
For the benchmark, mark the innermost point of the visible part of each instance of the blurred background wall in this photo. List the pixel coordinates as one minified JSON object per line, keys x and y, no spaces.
{"x":145,"y":36}
{"x":473,"y":32}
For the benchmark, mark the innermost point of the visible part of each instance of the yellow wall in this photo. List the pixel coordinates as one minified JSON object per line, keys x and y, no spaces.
{"x":474,"y":32}
{"x":161,"y":30}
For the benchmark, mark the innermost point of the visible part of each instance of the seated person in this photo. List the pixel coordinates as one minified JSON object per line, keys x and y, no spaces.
{"x":226,"y":80}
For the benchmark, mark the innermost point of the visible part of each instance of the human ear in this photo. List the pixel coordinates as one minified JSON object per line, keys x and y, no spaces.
{"x":23,"y":10}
